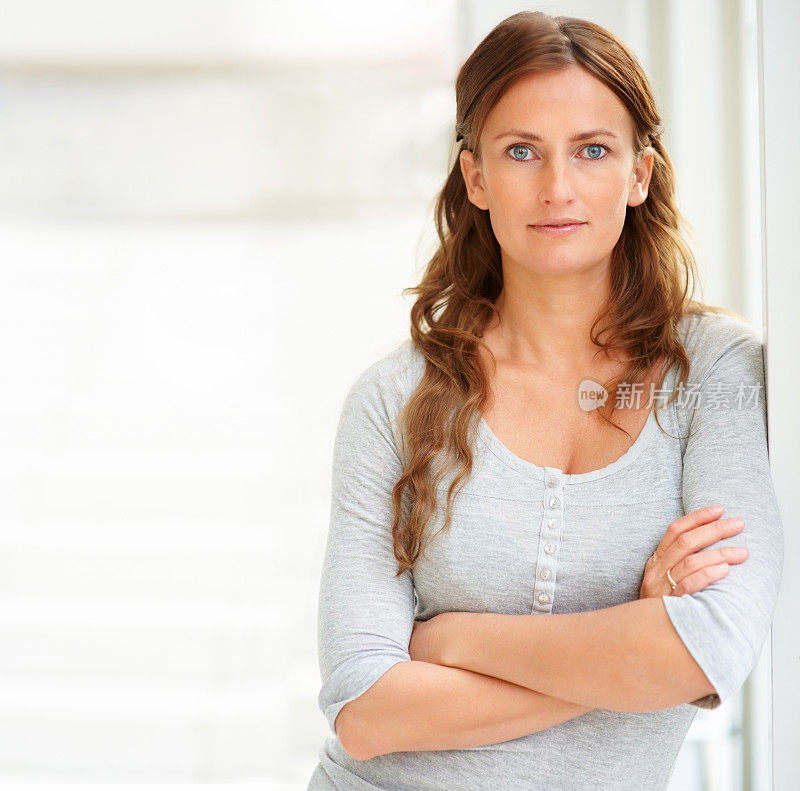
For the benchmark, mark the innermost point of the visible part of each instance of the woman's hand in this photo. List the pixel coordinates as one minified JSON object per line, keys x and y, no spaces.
{"x":677,"y":552}
{"x":426,"y":640}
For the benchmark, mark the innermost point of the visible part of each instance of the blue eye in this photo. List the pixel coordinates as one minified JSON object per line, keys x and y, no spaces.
{"x":517,"y":147}
{"x":595,"y":146}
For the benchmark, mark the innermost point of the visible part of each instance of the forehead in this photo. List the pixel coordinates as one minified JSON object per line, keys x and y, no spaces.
{"x":557,"y":103}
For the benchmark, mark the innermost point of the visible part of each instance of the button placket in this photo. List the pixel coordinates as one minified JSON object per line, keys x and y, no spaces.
{"x":549,"y":540}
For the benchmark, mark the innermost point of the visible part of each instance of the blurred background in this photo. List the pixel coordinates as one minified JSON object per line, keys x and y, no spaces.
{"x":208,"y":209}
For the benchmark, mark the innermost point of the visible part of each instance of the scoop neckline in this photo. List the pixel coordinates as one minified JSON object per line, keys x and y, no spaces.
{"x":535,"y":471}
{"x":532,"y":470}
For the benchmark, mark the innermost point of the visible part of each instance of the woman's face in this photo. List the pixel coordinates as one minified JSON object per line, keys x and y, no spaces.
{"x":534,"y":169}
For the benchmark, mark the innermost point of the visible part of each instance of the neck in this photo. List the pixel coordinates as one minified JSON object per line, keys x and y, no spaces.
{"x":545,"y":320}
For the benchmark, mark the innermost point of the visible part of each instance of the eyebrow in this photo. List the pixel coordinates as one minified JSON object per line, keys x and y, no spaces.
{"x":574,"y":139}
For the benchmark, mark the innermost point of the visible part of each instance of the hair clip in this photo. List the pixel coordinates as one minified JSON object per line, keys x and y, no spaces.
{"x":459,"y":136}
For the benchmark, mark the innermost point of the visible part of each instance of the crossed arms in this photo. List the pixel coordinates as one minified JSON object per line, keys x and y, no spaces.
{"x":483,"y":678}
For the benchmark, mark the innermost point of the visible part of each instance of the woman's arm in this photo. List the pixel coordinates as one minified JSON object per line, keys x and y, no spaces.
{"x":624,"y":658}
{"x":425,"y":706}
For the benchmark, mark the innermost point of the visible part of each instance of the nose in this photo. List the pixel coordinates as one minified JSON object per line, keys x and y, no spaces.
{"x":555,"y":186}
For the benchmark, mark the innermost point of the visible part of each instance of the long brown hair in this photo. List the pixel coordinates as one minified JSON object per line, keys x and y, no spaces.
{"x":653,"y":270}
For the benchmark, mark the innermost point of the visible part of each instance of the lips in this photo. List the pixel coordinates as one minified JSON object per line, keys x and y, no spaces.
{"x":559,"y":231}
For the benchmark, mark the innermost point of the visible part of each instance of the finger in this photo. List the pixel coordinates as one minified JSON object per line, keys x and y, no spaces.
{"x":734,"y":555}
{"x":687,"y":547}
{"x":693,"y":519}
{"x":701,"y":579}
{"x":711,"y":533}
{"x":710,"y":557}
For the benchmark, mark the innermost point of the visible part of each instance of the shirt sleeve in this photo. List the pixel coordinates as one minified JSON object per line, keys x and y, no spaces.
{"x":726,"y":462}
{"x":365,"y":612}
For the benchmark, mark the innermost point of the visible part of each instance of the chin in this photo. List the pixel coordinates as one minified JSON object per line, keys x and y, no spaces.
{"x":560,"y":264}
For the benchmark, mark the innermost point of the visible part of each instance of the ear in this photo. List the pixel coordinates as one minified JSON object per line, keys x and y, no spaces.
{"x":640,"y":178}
{"x":473,"y":179}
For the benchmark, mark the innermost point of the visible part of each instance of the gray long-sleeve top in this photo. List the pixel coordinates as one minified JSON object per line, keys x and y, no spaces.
{"x":530,"y":539}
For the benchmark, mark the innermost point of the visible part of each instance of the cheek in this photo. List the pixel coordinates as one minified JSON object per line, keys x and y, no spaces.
{"x":509,"y":196}
{"x":611,"y":201}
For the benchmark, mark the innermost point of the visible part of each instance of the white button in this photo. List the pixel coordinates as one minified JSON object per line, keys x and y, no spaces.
{"x":552,"y":482}
{"x":543,"y":598}
{"x":549,"y":547}
{"x":553,"y":502}
{"x":551,"y":523}
{"x":545,"y":575}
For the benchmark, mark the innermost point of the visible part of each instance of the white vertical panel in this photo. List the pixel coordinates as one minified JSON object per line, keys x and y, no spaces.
{"x":750,"y":165}
{"x":780,"y":118}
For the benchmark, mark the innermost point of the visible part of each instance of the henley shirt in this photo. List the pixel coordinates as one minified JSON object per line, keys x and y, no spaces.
{"x":526,"y":539}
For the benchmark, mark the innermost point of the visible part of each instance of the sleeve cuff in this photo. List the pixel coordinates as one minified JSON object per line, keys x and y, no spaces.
{"x":350,"y":680}
{"x":703,"y":628}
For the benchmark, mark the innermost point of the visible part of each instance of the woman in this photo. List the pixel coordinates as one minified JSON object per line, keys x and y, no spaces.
{"x":559,"y":415}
